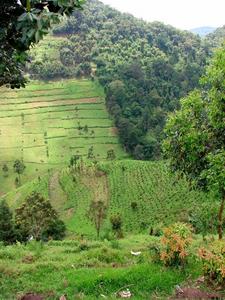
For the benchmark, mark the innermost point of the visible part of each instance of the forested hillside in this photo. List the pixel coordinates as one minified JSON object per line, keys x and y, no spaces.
{"x":216,"y":38}
{"x":144,"y":67}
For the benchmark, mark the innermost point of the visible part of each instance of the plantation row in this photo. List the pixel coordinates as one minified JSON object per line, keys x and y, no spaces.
{"x":144,"y":195}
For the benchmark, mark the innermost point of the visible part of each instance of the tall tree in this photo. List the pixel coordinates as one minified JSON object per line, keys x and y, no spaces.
{"x":97,"y":214}
{"x":24,"y":23}
{"x":36,"y":217}
{"x":195,"y":141}
{"x":7,"y":233}
{"x":19,"y":168}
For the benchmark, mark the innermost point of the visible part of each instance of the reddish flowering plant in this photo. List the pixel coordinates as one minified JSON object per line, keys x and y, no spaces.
{"x":213,"y":260}
{"x":175,"y":242}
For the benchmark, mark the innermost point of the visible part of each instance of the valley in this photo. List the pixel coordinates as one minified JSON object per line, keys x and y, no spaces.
{"x":112,"y":155}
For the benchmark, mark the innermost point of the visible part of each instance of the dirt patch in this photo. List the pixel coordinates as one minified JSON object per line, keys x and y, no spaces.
{"x":97,"y":182}
{"x":70,"y":212}
{"x":28,"y":259}
{"x":31,"y":296}
{"x":194,"y":293}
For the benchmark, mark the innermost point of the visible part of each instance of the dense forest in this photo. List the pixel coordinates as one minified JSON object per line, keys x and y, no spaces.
{"x":145,"y":69}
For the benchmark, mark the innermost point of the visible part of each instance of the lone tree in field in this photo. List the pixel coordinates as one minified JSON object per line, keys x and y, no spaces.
{"x":195,"y":142}
{"x":19,"y":168}
{"x":111,"y":154}
{"x":90,"y":154}
{"x":74,"y":160}
{"x":36,"y":217}
{"x":7,"y":233}
{"x":97,"y":214}
{"x":5,"y":170}
{"x":23,"y":24}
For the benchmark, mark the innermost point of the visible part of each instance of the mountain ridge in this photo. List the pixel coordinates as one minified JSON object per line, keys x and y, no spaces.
{"x":203,"y":30}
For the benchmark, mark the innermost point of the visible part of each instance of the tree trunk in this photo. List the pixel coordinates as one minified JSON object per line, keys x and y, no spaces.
{"x":220,"y":217}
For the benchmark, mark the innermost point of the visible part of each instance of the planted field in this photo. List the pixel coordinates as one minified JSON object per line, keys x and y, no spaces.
{"x":46,"y":123}
{"x":145,"y":194}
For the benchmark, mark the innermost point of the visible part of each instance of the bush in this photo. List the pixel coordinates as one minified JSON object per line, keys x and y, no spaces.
{"x":55,"y":231}
{"x":174,"y":243}
{"x":116,"y":222}
{"x":134,"y":205}
{"x":213,"y":260}
{"x":157,"y":230}
{"x":84,"y":246}
{"x":154,"y":249}
{"x":204,"y":218}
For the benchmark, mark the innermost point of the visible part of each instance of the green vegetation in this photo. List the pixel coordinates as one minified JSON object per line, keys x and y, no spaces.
{"x":60,"y":267}
{"x":144,"y":67}
{"x":7,"y":234}
{"x":126,"y":224}
{"x":36,"y":219}
{"x":161,"y":198}
{"x":45,"y":124}
{"x":195,"y":140}
{"x":24,"y":23}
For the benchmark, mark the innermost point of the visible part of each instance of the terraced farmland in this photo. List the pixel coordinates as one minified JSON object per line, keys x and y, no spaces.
{"x":46,"y":123}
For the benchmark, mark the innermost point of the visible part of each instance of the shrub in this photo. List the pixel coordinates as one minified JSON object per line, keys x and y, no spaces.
{"x":174,"y":243}
{"x":157,"y":230}
{"x":204,"y":218}
{"x":154,"y":249}
{"x":5,"y":170}
{"x":116,"y":222}
{"x":55,"y":231}
{"x":134,"y":205}
{"x":213,"y":260}
{"x":84,"y":245}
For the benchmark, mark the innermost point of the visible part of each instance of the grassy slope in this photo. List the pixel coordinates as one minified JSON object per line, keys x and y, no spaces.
{"x":39,"y":124}
{"x":60,"y":268}
{"x":161,"y":199}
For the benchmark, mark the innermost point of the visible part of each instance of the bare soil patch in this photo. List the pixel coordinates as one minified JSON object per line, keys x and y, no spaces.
{"x":31,"y":296}
{"x":194,"y":293}
{"x":197,"y":289}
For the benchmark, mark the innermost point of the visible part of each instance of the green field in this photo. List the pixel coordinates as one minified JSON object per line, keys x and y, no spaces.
{"x":43,"y":125}
{"x":161,"y":199}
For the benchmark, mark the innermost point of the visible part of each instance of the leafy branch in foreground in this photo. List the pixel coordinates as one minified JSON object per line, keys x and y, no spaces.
{"x":23,"y":24}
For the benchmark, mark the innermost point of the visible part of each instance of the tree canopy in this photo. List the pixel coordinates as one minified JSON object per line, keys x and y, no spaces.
{"x":37,"y":218}
{"x":195,"y":134}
